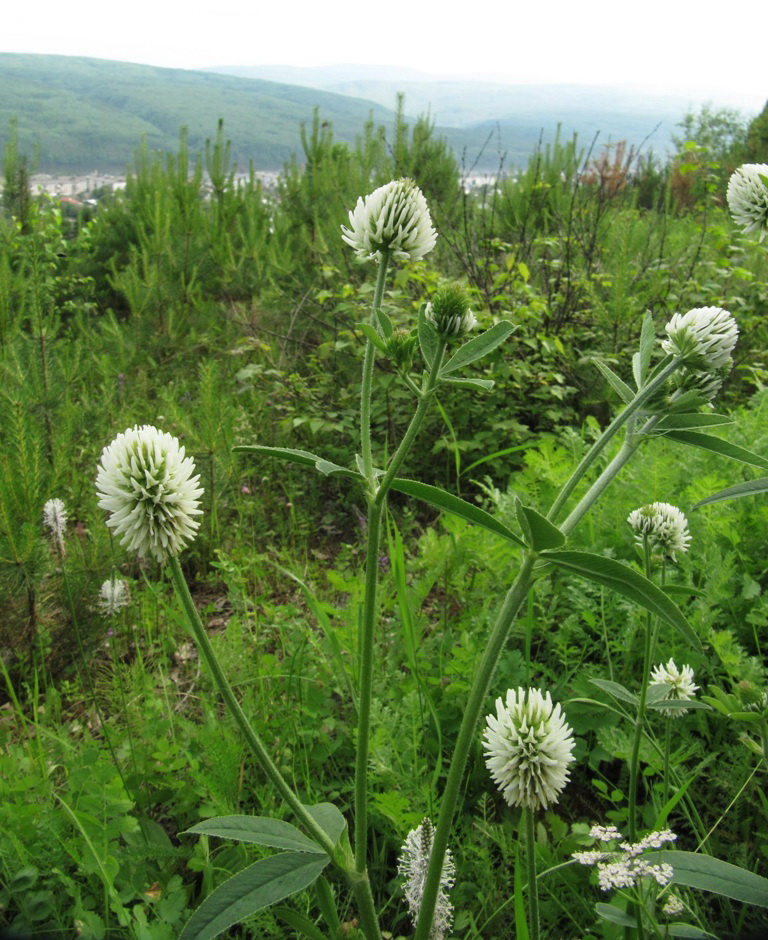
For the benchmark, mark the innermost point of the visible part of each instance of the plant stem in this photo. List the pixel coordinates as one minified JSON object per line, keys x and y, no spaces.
{"x":533,"y":890}
{"x":477,"y":695}
{"x":667,"y":745}
{"x":640,"y":717}
{"x":253,"y":740}
{"x":618,"y":422}
{"x":367,"y":384}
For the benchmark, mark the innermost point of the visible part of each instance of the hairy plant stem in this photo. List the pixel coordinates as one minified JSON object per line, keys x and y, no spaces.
{"x":533,"y":889}
{"x":367,"y":383}
{"x":618,"y":422}
{"x":634,"y":760}
{"x":376,"y":509}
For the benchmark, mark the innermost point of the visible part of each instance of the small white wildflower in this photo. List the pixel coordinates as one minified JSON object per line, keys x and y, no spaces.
{"x":679,"y":683}
{"x":618,"y":874}
{"x":704,"y":337}
{"x":393,"y":220}
{"x":113,"y":596}
{"x":528,"y":748}
{"x":146,"y":484}
{"x":665,"y":527}
{"x":591,"y":858}
{"x":414,"y":862}
{"x":673,"y":906}
{"x":605,"y":833}
{"x":55,"y":520}
{"x":748,"y":197}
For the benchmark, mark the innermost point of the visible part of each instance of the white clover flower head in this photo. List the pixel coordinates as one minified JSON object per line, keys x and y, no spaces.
{"x":528,"y":748}
{"x":114,"y":595}
{"x":623,"y":868}
{"x":665,"y":527}
{"x":55,"y":520}
{"x":392,"y":221}
{"x":679,"y":683}
{"x":673,"y":906}
{"x":146,"y":485}
{"x":414,"y":862}
{"x":704,"y":337}
{"x":748,"y":197}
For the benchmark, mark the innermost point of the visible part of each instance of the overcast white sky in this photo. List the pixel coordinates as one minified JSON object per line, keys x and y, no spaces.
{"x":670,"y":44}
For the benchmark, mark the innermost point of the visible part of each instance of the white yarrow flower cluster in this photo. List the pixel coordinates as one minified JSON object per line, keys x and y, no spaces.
{"x":623,"y":867}
{"x":679,"y":684}
{"x":748,"y":197}
{"x":55,"y":520}
{"x":393,"y":220}
{"x":665,"y":527}
{"x":705,"y":337}
{"x":528,"y":748}
{"x":114,"y":595}
{"x":414,"y":862}
{"x":146,"y":484}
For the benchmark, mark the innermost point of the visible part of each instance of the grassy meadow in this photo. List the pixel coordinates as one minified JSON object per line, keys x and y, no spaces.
{"x":229,"y":316}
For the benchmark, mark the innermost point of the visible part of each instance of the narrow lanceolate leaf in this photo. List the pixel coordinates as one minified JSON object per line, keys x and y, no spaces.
{"x":681,"y":422}
{"x":485,"y":384}
{"x":385,"y":324}
{"x":261,"y":884}
{"x":301,"y":924}
{"x":373,"y":336}
{"x":614,"y":915}
{"x":327,"y":467}
{"x":627,"y":582}
{"x":679,"y":705}
{"x":262,"y":830}
{"x":619,"y":386}
{"x":714,"y":875}
{"x":615,"y":690}
{"x":647,"y":342}
{"x":441,"y":499}
{"x":329,"y":819}
{"x":479,"y":346}
{"x":750,"y":488}
{"x":428,"y":339}
{"x":682,"y":590}
{"x":718,"y":446}
{"x":302,"y":457}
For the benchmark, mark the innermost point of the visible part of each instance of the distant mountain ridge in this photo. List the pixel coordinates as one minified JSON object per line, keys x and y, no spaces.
{"x":82,"y":114}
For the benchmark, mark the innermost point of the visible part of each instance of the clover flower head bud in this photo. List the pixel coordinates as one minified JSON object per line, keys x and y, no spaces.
{"x":752,"y":698}
{"x":146,"y":485}
{"x":528,"y":748}
{"x":393,"y":221}
{"x":748,"y":197}
{"x":400,"y":348}
{"x":679,"y":683}
{"x":673,"y":906}
{"x":704,"y":337}
{"x":449,"y":312}
{"x":114,"y":595}
{"x":691,"y":388}
{"x":55,"y":520}
{"x":665,"y":527}
{"x":413,"y":866}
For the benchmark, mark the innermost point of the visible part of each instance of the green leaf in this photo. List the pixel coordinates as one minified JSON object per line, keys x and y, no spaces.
{"x":616,"y":690}
{"x":385,"y":323}
{"x":627,"y":582}
{"x":621,"y":388}
{"x":718,"y":446}
{"x":327,"y":467}
{"x":303,"y":925}
{"x":485,"y":384}
{"x":714,"y":875}
{"x":262,"y":830}
{"x":521,"y":923}
{"x":302,"y":457}
{"x":543,"y":534}
{"x":682,"y":590}
{"x":257,"y":886}
{"x":329,"y":819}
{"x":373,"y":336}
{"x":428,"y":339}
{"x":679,"y":422}
{"x":479,"y":346}
{"x":688,"y":930}
{"x":327,"y":904}
{"x":750,"y":488}
{"x":678,"y":705}
{"x":647,"y":342}
{"x":614,"y":915}
{"x":459,"y":507}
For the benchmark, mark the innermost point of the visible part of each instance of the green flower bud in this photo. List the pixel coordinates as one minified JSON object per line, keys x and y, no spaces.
{"x":449,"y":311}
